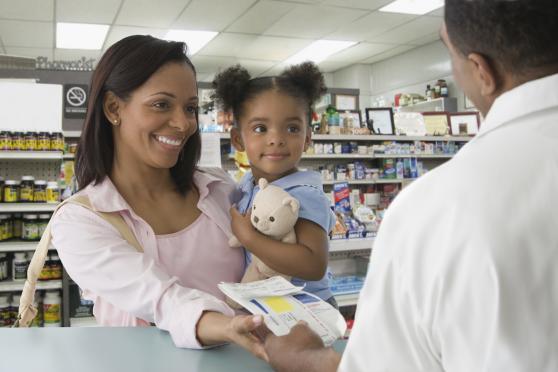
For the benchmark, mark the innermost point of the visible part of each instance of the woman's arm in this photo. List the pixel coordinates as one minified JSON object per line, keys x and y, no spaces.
{"x":307,"y":259}
{"x":103,"y":263}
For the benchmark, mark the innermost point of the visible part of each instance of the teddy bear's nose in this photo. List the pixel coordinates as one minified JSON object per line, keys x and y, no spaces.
{"x":256,"y":219}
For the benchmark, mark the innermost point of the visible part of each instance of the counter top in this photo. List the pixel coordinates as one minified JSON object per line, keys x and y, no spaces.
{"x":115,"y":349}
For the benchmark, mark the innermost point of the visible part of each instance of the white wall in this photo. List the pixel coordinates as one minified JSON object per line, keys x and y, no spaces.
{"x":409,"y":72}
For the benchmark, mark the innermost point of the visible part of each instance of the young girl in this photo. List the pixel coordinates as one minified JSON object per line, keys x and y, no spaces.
{"x":272,"y":124}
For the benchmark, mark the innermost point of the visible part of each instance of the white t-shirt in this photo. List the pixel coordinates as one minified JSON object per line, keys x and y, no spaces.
{"x":464,"y":274}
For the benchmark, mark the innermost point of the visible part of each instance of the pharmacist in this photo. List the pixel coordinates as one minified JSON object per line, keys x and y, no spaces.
{"x":464,"y":272}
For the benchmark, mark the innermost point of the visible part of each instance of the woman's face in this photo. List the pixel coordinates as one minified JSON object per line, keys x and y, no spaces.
{"x":158,"y":117}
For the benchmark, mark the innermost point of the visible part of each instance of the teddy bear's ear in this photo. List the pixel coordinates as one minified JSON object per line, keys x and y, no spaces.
{"x":292,"y":203}
{"x":262,"y":183}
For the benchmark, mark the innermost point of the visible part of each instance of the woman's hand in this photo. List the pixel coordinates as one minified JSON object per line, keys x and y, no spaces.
{"x":215,"y":328}
{"x":241,"y":225}
{"x":242,"y":331}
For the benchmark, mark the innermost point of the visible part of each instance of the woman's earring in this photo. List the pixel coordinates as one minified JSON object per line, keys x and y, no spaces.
{"x":116,"y":122}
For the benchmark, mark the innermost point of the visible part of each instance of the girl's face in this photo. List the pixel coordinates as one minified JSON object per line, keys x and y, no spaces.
{"x":158,"y":118}
{"x":273,"y":130}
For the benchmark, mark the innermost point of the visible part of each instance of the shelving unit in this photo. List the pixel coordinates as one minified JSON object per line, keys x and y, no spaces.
{"x":347,"y":299}
{"x":349,"y":245}
{"x":376,"y":138}
{"x":15,"y":286}
{"x":30,"y":155}
{"x":83,"y":322}
{"x":448,"y":104}
{"x":18,"y":246}
{"x":27,"y":207}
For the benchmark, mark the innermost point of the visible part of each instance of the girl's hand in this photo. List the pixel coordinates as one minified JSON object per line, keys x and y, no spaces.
{"x":241,"y":225}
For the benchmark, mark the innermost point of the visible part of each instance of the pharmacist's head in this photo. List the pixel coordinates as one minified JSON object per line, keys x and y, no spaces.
{"x":143,"y":110}
{"x":496,"y":45}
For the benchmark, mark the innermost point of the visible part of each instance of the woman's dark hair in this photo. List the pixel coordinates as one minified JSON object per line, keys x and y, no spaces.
{"x":124,"y":67}
{"x":520,"y":35}
{"x":234,"y":86}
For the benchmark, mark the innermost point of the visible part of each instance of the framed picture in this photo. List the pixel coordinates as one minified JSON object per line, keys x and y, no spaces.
{"x":380,"y":120}
{"x":409,"y":124}
{"x":353,"y":115}
{"x":345,"y":102}
{"x":436,"y":123}
{"x":464,"y":123}
{"x":468,"y":104}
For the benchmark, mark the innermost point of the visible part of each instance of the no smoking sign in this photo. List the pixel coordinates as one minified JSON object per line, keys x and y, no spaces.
{"x":75,"y":101}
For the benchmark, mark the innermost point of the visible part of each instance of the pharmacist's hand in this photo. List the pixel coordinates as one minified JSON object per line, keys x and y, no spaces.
{"x":242,"y":330}
{"x":286,"y":353}
{"x":241,"y":225}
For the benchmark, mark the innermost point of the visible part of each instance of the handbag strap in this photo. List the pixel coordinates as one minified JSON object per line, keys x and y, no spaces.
{"x":27,"y":311}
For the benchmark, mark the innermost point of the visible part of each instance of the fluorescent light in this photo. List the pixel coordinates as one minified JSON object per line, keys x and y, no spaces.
{"x":419,"y":7}
{"x":319,"y":50}
{"x":80,"y":36}
{"x":195,"y":40}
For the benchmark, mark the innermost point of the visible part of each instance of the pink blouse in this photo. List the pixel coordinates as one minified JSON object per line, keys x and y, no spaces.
{"x":172,"y":282}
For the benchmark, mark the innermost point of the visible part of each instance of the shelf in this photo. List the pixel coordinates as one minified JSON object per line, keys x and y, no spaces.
{"x":18,"y":246}
{"x":68,"y":156}
{"x":83,"y":322}
{"x":447,"y":104}
{"x":346,"y":299}
{"x":13,"y":286}
{"x":348,"y":137}
{"x":337,"y":156}
{"x":27,"y":207}
{"x":72,"y":133}
{"x":30,"y":155}
{"x":369,"y":182}
{"x":344,"y":245}
{"x":416,"y":156}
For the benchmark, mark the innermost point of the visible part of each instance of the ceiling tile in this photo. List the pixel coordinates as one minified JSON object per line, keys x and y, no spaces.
{"x":117,"y":33}
{"x":27,"y":34}
{"x":369,"y":26}
{"x":274,"y":48}
{"x":211,"y":15}
{"x":227,"y":44}
{"x":331,"y":66}
{"x":30,"y":52}
{"x":360,"y":52}
{"x":32,"y":10}
{"x":87,"y":11}
{"x":149,"y":13}
{"x":206,"y":64}
{"x":435,"y":36}
{"x":390,"y":53}
{"x":260,"y":17}
{"x":206,"y":77}
{"x":256,"y":68}
{"x":410,"y":31}
{"x":323,"y":20}
{"x":358,"y":4}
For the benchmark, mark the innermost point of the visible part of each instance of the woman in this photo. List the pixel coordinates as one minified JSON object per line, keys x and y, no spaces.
{"x":137,"y":156}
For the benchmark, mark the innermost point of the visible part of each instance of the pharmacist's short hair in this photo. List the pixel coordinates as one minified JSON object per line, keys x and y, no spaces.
{"x":123,"y":68}
{"x":519,"y":35}
{"x":234,"y":86}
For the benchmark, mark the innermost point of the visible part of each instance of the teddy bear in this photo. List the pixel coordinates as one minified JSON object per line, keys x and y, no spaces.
{"x":274,"y":213}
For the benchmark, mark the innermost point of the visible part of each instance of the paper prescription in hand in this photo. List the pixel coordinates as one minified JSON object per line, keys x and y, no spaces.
{"x":283,"y":305}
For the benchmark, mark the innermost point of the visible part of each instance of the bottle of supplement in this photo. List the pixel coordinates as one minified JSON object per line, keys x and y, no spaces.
{"x":45,"y":271}
{"x":5,"y":141}
{"x":30,"y":141}
{"x":26,"y":189}
{"x":19,"y":266}
{"x":3,"y":266}
{"x":43,"y":142}
{"x":57,"y":141}
{"x":14,"y":306}
{"x":52,"y":192}
{"x":55,"y":266}
{"x":5,"y":312}
{"x":17,"y":223}
{"x":38,"y":320}
{"x":39,"y":192}
{"x":30,"y":227}
{"x":11,"y":192}
{"x":17,"y":141}
{"x":51,"y":309}
{"x":42,"y":223}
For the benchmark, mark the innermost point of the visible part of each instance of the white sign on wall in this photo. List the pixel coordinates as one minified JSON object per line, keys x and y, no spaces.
{"x":30,"y":107}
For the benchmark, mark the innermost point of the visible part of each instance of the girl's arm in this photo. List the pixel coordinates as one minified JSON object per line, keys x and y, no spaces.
{"x":307,"y":259}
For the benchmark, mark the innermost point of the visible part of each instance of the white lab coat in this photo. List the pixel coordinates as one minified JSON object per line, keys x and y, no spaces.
{"x":464,"y":274}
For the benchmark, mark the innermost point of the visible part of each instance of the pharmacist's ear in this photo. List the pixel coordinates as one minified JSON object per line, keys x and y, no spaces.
{"x":484,"y":73}
{"x":236,"y":139}
{"x":111,"y":108}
